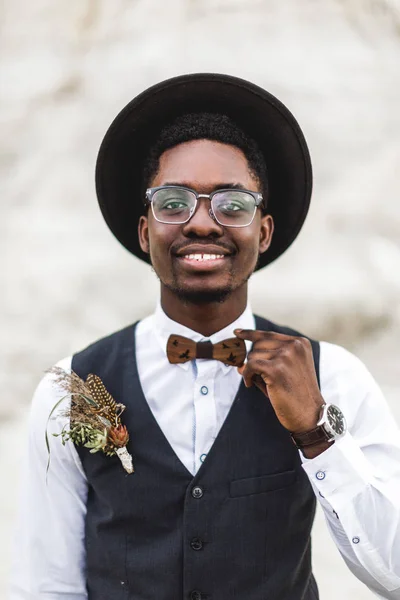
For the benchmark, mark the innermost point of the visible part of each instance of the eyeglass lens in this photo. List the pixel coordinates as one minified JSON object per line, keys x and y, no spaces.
{"x":232,"y":208}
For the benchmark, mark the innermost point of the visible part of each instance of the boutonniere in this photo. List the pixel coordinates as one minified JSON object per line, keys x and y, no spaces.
{"x":94,"y":417}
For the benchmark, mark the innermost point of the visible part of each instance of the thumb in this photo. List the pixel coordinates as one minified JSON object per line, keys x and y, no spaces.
{"x":260,"y":383}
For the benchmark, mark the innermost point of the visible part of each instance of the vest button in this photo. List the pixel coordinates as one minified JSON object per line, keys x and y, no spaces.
{"x":195,"y":595}
{"x":196,"y":544}
{"x":197,"y":492}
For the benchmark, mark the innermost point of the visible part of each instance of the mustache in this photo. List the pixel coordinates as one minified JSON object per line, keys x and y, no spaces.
{"x":178,"y":247}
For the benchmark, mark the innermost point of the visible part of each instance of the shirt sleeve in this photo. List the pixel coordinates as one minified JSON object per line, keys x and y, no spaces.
{"x":357,"y":480}
{"x":49,"y":559}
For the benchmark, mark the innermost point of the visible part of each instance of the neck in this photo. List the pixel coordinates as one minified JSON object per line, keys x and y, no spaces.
{"x":204,"y":318}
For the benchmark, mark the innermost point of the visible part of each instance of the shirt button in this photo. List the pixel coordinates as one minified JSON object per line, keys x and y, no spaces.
{"x":197,"y":492}
{"x":356,"y":540}
{"x":203,"y":457}
{"x":196,"y":544}
{"x":320,"y":475}
{"x":195,"y":595}
{"x":204,"y":390}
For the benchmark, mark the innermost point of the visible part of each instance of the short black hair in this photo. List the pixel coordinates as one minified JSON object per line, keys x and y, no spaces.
{"x":209,"y":126}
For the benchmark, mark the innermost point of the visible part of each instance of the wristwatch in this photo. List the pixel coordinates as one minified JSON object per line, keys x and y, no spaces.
{"x":330,"y":427}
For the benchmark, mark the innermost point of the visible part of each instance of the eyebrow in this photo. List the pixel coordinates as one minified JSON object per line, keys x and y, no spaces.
{"x":219,"y":186}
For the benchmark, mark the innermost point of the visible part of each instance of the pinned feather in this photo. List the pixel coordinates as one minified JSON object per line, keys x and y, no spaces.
{"x":94,"y":416}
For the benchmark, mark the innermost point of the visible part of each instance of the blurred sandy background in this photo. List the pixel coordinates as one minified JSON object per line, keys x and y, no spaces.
{"x":68,"y":67}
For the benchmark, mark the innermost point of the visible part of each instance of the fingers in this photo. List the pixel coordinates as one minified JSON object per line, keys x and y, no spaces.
{"x":249,"y":372}
{"x":256,"y":380}
{"x":260,"y":383}
{"x":255,"y":335}
{"x":260,"y":354}
{"x":269,"y":340}
{"x":273,"y":358}
{"x":258,"y":367}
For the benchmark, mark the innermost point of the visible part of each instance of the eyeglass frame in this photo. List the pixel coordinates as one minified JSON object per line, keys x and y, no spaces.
{"x":258,"y":198}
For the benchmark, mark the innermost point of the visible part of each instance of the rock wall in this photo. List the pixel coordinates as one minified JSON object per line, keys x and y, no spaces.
{"x":67,"y":68}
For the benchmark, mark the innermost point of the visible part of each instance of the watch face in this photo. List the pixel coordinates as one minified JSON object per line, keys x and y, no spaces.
{"x":335,"y":420}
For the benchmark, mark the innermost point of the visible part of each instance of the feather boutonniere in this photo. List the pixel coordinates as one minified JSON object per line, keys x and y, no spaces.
{"x":94,"y":417}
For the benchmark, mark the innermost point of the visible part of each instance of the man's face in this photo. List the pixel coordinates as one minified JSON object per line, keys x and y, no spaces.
{"x":204,"y":166}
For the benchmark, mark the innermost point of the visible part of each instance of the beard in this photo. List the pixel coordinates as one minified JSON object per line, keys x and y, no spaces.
{"x":202,"y":296}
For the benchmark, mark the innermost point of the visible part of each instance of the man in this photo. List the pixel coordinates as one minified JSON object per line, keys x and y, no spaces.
{"x":214,"y":174}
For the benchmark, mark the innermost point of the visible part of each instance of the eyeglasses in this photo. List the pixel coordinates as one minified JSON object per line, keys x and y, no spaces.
{"x":229,"y":207}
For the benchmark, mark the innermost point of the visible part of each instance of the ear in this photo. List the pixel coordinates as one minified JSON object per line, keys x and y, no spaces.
{"x":143,"y":233}
{"x":266,"y":232}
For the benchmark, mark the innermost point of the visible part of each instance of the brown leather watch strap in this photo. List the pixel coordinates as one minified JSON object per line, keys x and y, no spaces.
{"x":310,"y":438}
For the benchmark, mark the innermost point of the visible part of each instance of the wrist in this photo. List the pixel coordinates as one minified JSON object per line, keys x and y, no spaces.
{"x":314,"y":451}
{"x":309,"y":420}
{"x":331,"y":426}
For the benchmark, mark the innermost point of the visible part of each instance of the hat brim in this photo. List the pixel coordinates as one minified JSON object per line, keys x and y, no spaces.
{"x":120,"y":161}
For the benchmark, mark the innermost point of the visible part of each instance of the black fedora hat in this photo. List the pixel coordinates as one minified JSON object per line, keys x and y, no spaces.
{"x":119,"y":168}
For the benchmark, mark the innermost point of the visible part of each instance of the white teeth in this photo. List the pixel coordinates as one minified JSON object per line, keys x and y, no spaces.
{"x":204,"y":256}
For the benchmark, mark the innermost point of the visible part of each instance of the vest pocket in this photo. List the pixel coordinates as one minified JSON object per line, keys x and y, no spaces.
{"x":261,"y":484}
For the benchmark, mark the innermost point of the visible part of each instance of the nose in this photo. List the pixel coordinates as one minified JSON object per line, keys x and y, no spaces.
{"x":202,"y":223}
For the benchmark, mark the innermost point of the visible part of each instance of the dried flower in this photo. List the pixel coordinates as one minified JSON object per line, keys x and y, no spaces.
{"x":94,"y":416}
{"x":119,"y":436}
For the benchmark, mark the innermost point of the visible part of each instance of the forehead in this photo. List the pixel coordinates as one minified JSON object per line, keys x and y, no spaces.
{"x":203,"y":164}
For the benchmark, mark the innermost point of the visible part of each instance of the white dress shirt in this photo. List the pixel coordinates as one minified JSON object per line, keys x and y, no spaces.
{"x":357,"y":480}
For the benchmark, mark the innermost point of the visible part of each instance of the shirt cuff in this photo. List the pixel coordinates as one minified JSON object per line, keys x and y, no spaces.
{"x":339,"y":473}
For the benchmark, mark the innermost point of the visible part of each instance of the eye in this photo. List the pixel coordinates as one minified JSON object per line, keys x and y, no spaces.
{"x":231,"y":206}
{"x":174,"y":205}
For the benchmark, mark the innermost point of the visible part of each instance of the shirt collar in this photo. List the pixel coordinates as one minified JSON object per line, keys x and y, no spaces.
{"x":164,"y":327}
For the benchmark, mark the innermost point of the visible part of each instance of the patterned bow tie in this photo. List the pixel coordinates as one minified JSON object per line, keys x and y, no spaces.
{"x":181,"y":349}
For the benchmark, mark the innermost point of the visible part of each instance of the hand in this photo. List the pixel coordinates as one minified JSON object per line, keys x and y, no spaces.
{"x":282,"y":367}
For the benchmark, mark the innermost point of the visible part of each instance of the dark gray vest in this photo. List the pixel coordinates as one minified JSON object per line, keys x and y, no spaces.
{"x":238,"y":530}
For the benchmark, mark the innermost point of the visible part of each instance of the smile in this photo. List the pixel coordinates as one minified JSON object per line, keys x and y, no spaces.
{"x":201,"y":262}
{"x":203,"y":257}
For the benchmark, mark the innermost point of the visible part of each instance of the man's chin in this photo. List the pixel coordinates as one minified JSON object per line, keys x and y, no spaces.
{"x":201,"y":295}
